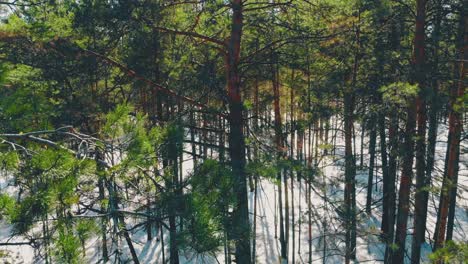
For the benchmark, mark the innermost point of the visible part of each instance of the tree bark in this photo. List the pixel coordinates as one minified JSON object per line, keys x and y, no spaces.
{"x":449,"y":185}
{"x":389,"y":183}
{"x":293,"y":141}
{"x":279,"y":142}
{"x":408,"y":146}
{"x":350,"y":158}
{"x":350,"y":174}
{"x":370,"y":180}
{"x":433,"y":112}
{"x":241,"y":224}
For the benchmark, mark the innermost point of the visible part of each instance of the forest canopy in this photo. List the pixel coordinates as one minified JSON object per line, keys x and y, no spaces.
{"x":233,"y":131}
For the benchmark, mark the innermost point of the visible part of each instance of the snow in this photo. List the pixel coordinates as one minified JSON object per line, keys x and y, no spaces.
{"x":369,"y":247}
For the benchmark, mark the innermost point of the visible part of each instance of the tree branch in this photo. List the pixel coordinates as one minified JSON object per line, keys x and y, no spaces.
{"x":147,"y":81}
{"x":186,"y":33}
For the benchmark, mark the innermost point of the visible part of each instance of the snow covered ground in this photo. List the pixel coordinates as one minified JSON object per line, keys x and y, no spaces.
{"x":327,"y":230}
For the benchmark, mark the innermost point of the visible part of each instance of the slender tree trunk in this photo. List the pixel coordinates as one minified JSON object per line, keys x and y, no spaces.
{"x":241,"y":224}
{"x":459,"y":122}
{"x":293,"y":141}
{"x":163,"y":248}
{"x":327,"y":130}
{"x":350,"y":159}
{"x":350,"y":172}
{"x":408,"y":146}
{"x":254,"y":239}
{"x":405,"y":185}
{"x":389,"y":188}
{"x":149,"y":231}
{"x":361,"y":163}
{"x":419,"y":215}
{"x":316,"y":142}
{"x":420,"y":192}
{"x":279,"y":141}
{"x":103,"y":224}
{"x":309,"y":214}
{"x":389,"y":197}
{"x":370,"y":180}
{"x":255,"y":121}
{"x":300,"y":157}
{"x":449,"y":185}
{"x":433,"y":111}
{"x":126,"y":235}
{"x":383,"y":149}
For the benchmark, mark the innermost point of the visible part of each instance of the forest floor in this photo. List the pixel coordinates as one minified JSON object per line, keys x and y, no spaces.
{"x":327,"y":229}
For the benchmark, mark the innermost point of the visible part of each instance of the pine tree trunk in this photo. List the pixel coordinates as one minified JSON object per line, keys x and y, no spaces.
{"x":433,"y":111}
{"x":383,"y":148}
{"x":300,"y":157}
{"x":350,"y":159}
{"x":293,"y":141}
{"x":405,"y":185}
{"x":449,"y":185}
{"x":129,"y":241}
{"x":389,"y":188}
{"x":279,"y":141}
{"x":408,"y":146}
{"x":350,"y":172}
{"x":420,"y":192}
{"x":255,"y":121}
{"x":389,"y":195}
{"x":103,"y":224}
{"x":361,"y":156}
{"x":163,"y":248}
{"x":241,"y":224}
{"x":460,"y":94}
{"x":174,"y":187}
{"x":149,"y":231}
{"x":309,"y":214}
{"x":370,"y":180}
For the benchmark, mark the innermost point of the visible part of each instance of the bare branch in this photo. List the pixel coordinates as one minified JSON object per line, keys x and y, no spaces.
{"x":186,"y":33}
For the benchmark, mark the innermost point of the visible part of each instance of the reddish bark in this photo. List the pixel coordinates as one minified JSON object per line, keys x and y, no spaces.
{"x":408,"y":145}
{"x":241,"y":225}
{"x":455,"y":128}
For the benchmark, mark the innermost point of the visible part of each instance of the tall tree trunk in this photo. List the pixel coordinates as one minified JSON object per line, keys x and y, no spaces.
{"x":389,"y":196}
{"x":163,"y":248}
{"x":408,"y":154}
{"x":405,"y":185}
{"x":350,"y":173}
{"x":149,"y":229}
{"x":279,"y":142}
{"x":370,"y":180}
{"x":309,"y":215}
{"x":433,"y":110}
{"x":103,"y":224}
{"x":389,"y":183}
{"x":462,"y":74}
{"x":383,"y":148}
{"x":174,"y":187}
{"x":350,"y":158}
{"x":241,"y":224}
{"x":449,"y":185}
{"x":361,"y":156}
{"x":420,"y":192}
{"x":293,"y":141}
{"x":255,"y":121}
{"x":300,"y":157}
